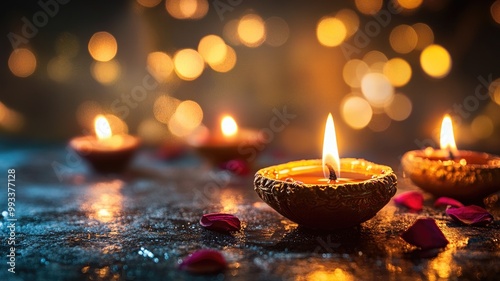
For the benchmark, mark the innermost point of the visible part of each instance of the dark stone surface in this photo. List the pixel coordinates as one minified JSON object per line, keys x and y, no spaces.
{"x":137,"y":226}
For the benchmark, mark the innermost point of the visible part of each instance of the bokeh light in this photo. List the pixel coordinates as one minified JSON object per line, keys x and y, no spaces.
{"x":398,"y":71}
{"x":105,"y":73}
{"x":356,"y":111}
{"x":494,"y":90}
{"x":67,"y":45}
{"x":149,"y":3}
{"x":379,"y":123}
{"x":377,"y":89}
{"x":228,"y":63}
{"x":22,"y":62}
{"x":212,"y":48}
{"x":403,"y":39}
{"x":277,"y":31}
{"x":187,"y":117}
{"x":251,"y":30}
{"x":400,"y":107}
{"x":435,"y":61}
{"x":374,"y":57}
{"x":350,"y":20}
{"x":60,"y":69}
{"x":187,"y":9}
{"x":10,"y":120}
{"x":152,"y":132}
{"x":482,"y":127}
{"x":102,"y":46}
{"x":230,"y":32}
{"x":188,"y":64}
{"x":368,"y":7}
{"x":353,"y":72}
{"x":425,"y":35}
{"x":164,"y":108}
{"x":495,"y":11}
{"x":410,"y":4}
{"x":160,"y":65}
{"x":331,"y":31}
{"x":117,"y":125}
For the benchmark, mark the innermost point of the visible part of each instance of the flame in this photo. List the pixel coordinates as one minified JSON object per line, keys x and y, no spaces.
{"x":228,"y":126}
{"x":447,"y":138}
{"x":330,"y":149}
{"x":102,"y":128}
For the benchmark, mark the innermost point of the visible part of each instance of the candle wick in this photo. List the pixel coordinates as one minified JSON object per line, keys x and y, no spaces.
{"x":332,"y":176}
{"x":451,"y":154}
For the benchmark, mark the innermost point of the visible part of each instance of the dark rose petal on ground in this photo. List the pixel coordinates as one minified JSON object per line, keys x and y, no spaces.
{"x":237,"y":166}
{"x":220,"y":222}
{"x":425,"y":233}
{"x":204,"y":262}
{"x":447,"y":201}
{"x":470,"y":215}
{"x":411,"y":199}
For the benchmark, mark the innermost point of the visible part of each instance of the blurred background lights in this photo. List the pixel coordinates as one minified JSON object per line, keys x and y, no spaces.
{"x":10,"y":120}
{"x":251,"y":30}
{"x":398,"y":71}
{"x":212,"y":48}
{"x":350,"y":20}
{"x":373,"y":57}
{"x":188,"y":64}
{"x":495,"y":11}
{"x":425,"y":35}
{"x":187,"y":9}
{"x":152,"y":132}
{"x":230,"y":32}
{"x":353,"y":72}
{"x":380,"y":122}
{"x":277,"y":31}
{"x":494,"y":90}
{"x":331,"y":32}
{"x":164,"y":108}
{"x":160,"y":65}
{"x":105,"y":72}
{"x":149,"y":3}
{"x":368,"y":7}
{"x":187,"y":117}
{"x":67,"y":45}
{"x":400,"y":107}
{"x":117,"y":125}
{"x":410,"y":4}
{"x":356,"y":111}
{"x":22,"y":62}
{"x":482,"y":127}
{"x":228,"y":63}
{"x":403,"y":39}
{"x":377,"y":89}
{"x":102,"y":46}
{"x":60,"y":69}
{"x":435,"y":61}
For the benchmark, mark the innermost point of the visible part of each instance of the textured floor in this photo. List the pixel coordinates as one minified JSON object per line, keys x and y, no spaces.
{"x":138,"y":226}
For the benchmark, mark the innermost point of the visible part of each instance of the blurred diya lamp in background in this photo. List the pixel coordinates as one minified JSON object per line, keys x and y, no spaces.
{"x":228,"y":143}
{"x":328,"y":193}
{"x":105,"y":152}
{"x":461,"y":174}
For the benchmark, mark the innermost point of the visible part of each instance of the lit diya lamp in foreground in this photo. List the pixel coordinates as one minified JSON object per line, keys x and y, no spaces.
{"x":460,"y":174}
{"x":105,"y":152}
{"x":228,"y":143}
{"x":327,"y":193}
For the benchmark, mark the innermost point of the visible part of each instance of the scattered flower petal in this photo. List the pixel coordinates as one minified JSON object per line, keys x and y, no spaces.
{"x":425,"y":233}
{"x":447,"y":201}
{"x":470,"y":215}
{"x":236,"y":166}
{"x":411,"y":199}
{"x":220,"y":222}
{"x":204,"y":262}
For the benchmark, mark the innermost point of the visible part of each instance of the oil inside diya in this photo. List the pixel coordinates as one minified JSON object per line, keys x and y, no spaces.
{"x":328,"y":193}
{"x":105,"y":152}
{"x":299,"y":191}
{"x":228,"y":143}
{"x":464,"y":175}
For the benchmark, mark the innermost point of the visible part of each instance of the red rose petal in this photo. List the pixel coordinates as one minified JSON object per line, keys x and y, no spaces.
{"x":237,"y":166}
{"x":411,"y":199}
{"x":425,"y":233}
{"x":220,"y":222}
{"x":470,"y":215}
{"x":447,"y":201}
{"x":204,"y":262}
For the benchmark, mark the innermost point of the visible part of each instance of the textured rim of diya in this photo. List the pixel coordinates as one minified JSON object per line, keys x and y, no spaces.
{"x":327,"y":206}
{"x":449,"y":178}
